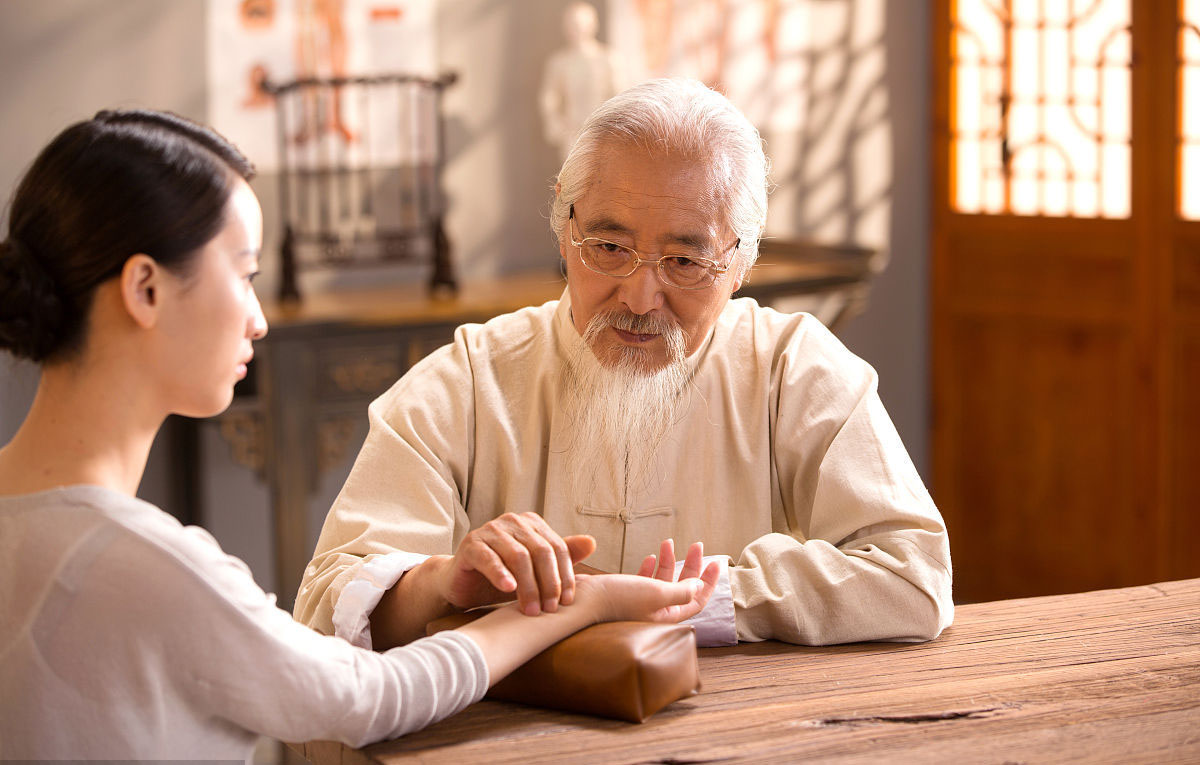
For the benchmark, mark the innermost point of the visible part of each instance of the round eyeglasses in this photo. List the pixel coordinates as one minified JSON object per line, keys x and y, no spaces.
{"x":683,"y":267}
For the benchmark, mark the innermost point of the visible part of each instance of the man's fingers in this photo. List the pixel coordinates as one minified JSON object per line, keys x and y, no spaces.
{"x":550,"y":565}
{"x":519,"y":561}
{"x":552,"y":561}
{"x":483,"y":559}
{"x":566,"y":579}
{"x":647,"y":567}
{"x":518,"y":554}
{"x":529,"y":551}
{"x":580,"y":546}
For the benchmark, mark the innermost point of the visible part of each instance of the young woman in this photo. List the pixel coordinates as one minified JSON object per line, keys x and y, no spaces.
{"x":133,"y":240}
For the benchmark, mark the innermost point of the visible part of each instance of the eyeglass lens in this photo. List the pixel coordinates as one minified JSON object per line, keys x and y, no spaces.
{"x":617,"y":260}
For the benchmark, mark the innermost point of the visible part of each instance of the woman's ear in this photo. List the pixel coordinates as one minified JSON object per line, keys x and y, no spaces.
{"x":141,"y":289}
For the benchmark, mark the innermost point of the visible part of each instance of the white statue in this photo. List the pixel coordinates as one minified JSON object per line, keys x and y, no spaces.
{"x":577,"y":78}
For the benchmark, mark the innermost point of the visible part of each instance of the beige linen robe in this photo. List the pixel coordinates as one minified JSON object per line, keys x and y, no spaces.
{"x":785,"y":461}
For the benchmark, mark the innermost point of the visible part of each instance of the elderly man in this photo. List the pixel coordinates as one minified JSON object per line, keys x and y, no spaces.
{"x":643,"y":405}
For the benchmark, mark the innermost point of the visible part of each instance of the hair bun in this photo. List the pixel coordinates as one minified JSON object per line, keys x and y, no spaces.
{"x":31,"y":306}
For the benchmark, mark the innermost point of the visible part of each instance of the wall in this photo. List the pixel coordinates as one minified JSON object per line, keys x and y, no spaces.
{"x":894,"y":332}
{"x":64,"y":60}
{"x":67,"y":58}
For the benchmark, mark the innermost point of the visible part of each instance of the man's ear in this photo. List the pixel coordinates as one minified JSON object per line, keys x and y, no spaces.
{"x":141,"y":289}
{"x":742,"y":272}
{"x":562,"y":247}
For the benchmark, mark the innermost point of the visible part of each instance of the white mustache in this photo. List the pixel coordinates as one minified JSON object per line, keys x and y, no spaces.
{"x":639,"y":324}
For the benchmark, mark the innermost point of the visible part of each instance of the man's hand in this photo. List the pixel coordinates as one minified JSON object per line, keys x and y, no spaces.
{"x":515,"y":553}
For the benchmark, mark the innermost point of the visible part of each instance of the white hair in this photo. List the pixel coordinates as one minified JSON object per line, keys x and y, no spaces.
{"x":681,"y":116}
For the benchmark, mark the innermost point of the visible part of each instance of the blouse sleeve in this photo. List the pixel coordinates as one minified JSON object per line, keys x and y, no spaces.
{"x":224,"y":644}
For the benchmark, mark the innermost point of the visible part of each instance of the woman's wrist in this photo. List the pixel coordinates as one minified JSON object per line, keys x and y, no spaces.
{"x":591,"y":596}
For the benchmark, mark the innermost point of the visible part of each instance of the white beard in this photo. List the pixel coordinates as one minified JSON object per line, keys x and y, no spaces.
{"x":622,"y":407}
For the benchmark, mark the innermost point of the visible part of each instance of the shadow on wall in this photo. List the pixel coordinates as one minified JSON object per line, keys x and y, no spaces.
{"x":833,"y":173}
{"x":857,"y":170}
{"x":500,"y":169}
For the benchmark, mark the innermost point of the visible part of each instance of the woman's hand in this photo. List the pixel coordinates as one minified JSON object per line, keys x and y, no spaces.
{"x":663,"y":566}
{"x":623,"y":597}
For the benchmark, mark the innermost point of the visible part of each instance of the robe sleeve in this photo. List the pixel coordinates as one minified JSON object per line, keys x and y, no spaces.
{"x":863,"y":553}
{"x":405,"y":494}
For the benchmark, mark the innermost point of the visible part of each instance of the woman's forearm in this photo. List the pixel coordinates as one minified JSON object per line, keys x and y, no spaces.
{"x":509,"y":638}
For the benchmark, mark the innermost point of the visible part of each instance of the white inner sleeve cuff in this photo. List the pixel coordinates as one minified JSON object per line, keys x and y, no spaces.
{"x":352,"y":612}
{"x":716,"y":624}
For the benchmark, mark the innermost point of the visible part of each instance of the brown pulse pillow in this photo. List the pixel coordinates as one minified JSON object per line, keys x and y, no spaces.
{"x":624,"y":670}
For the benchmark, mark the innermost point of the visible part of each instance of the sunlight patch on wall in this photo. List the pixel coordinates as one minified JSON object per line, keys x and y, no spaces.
{"x":809,"y":74}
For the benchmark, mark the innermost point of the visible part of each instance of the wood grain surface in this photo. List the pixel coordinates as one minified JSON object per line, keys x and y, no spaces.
{"x":1107,"y":676}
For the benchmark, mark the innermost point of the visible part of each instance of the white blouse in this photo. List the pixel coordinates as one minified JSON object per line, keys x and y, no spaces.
{"x":124,"y":634}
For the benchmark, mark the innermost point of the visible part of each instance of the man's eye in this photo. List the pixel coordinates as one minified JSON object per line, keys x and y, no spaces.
{"x":684,"y":262}
{"x":608,"y":251}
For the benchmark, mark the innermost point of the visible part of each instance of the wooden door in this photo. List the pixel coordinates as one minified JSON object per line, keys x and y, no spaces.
{"x":1066,"y":350}
{"x":1179,"y":287}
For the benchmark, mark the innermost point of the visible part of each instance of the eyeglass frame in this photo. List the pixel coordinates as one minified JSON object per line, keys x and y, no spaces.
{"x":638,"y":261}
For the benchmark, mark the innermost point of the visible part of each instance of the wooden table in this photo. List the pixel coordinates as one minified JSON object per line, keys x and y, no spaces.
{"x":1108,"y":676}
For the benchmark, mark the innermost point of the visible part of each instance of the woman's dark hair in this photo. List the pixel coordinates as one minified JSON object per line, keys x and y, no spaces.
{"x":119,"y":184}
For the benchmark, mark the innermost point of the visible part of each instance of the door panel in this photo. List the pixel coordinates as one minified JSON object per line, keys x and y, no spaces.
{"x":1045,"y":503}
{"x":1184,"y":520}
{"x":1051,"y":266}
{"x":1065,"y":348}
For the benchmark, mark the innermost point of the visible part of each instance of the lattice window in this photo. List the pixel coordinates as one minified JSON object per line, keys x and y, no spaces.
{"x":1041,"y":107}
{"x":1189,"y":128}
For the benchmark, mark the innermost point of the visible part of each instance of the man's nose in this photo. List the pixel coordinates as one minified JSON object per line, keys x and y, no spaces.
{"x":642,"y":291}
